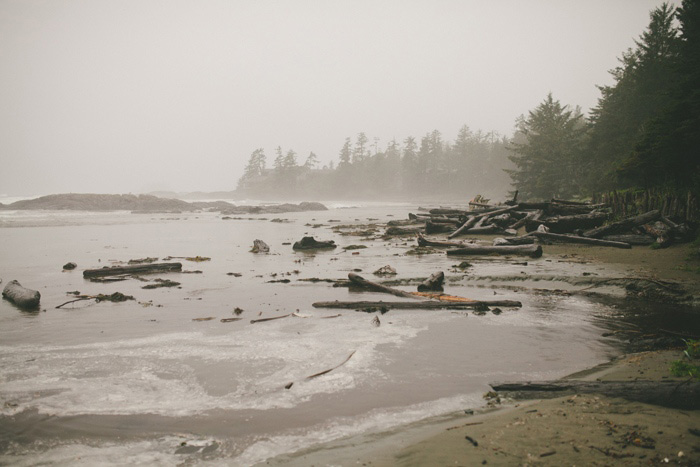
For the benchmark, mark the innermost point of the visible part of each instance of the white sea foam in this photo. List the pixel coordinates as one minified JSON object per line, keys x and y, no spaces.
{"x":181,"y":374}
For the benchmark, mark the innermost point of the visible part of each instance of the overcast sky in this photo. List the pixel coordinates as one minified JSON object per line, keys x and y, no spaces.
{"x":137,"y":95}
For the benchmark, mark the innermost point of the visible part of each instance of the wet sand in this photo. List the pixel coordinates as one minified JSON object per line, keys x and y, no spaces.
{"x":570,"y":430}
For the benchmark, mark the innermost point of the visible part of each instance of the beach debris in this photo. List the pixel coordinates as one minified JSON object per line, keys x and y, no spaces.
{"x":428,"y":305}
{"x":289,"y":385}
{"x":230,"y":320}
{"x":309,"y":243}
{"x":133,"y":269}
{"x":237,"y":311}
{"x":234,"y":274}
{"x":376,"y":322}
{"x":434,"y":282}
{"x":474,"y":442}
{"x":143,"y":260}
{"x":297,"y":314}
{"x":161,"y":283}
{"x":385,"y":271}
{"x":26,"y":299}
{"x":69,"y":266}
{"x":260,"y":246}
{"x":355,"y":247}
{"x":331,"y":316}
{"x":261,"y":320}
{"x":197,"y":259}
{"x":208,"y":318}
{"x":115,"y":297}
{"x":331,"y":369}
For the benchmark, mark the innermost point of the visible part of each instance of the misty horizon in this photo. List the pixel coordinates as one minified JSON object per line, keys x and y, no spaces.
{"x":119,"y":97}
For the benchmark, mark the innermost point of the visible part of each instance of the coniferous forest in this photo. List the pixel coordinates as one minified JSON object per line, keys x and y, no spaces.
{"x":643,"y":133}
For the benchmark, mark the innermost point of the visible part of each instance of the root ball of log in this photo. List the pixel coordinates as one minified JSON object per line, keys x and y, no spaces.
{"x":26,"y":299}
{"x":434,"y":282}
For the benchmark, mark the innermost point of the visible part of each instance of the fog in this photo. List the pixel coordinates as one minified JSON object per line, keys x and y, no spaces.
{"x":134,"y":96}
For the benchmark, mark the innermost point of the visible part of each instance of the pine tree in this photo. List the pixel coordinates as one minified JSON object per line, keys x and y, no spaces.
{"x":547,"y":160}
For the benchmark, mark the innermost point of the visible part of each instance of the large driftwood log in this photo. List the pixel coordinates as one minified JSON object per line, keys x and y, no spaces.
{"x":428,"y":305}
{"x":362,"y":282}
{"x":578,"y":239}
{"x":534,"y":251}
{"x":24,"y":298}
{"x":434,"y":282}
{"x":677,"y":394}
{"x":564,"y":224}
{"x":632,"y":239}
{"x":623,"y":225}
{"x":135,"y":269}
{"x":422,"y":241}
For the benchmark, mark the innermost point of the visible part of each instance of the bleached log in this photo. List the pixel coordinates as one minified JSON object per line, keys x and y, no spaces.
{"x":534,"y":251}
{"x":24,"y":298}
{"x":578,"y":239}
{"x":135,"y":269}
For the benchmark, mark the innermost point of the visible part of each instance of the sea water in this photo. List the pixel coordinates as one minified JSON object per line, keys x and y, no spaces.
{"x":147,"y":382}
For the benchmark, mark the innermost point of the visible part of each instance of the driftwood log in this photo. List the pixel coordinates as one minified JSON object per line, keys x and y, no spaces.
{"x":534,"y":251}
{"x":472,"y":221}
{"x":632,"y":239}
{"x":434,"y":282}
{"x":135,"y":269}
{"x":676,"y":394}
{"x":433,"y":227}
{"x":422,"y":241}
{"x":310,"y":243}
{"x":522,"y":240}
{"x":578,"y":239}
{"x":360,"y":281}
{"x":623,"y":225}
{"x":564,"y":224}
{"x":24,"y":298}
{"x":428,"y":305}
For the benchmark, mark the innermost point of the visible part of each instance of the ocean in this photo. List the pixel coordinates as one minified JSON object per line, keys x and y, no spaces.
{"x":148,"y":382}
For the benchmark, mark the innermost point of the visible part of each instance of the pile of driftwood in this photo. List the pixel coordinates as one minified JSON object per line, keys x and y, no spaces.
{"x":550,"y":221}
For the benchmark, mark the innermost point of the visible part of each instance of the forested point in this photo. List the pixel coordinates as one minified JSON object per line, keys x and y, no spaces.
{"x":644,"y":133}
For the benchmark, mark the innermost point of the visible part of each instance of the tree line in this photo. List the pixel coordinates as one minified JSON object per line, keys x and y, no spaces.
{"x":431,"y":167}
{"x":644,"y":132}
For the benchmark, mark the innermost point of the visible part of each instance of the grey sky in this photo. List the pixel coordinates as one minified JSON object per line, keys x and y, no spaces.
{"x":139,"y":95}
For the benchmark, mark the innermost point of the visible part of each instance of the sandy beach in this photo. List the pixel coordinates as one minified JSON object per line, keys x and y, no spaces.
{"x":587,"y":429}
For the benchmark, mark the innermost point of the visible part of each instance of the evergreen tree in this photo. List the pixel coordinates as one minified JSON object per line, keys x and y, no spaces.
{"x":667,"y":153}
{"x":547,"y":161}
{"x":639,"y":95}
{"x":311,"y":161}
{"x":345,"y":155}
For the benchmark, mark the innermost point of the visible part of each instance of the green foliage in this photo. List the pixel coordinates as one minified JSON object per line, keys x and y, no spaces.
{"x":685,"y":368}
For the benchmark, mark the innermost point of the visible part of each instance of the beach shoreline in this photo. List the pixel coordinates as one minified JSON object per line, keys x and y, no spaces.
{"x":574,"y":429}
